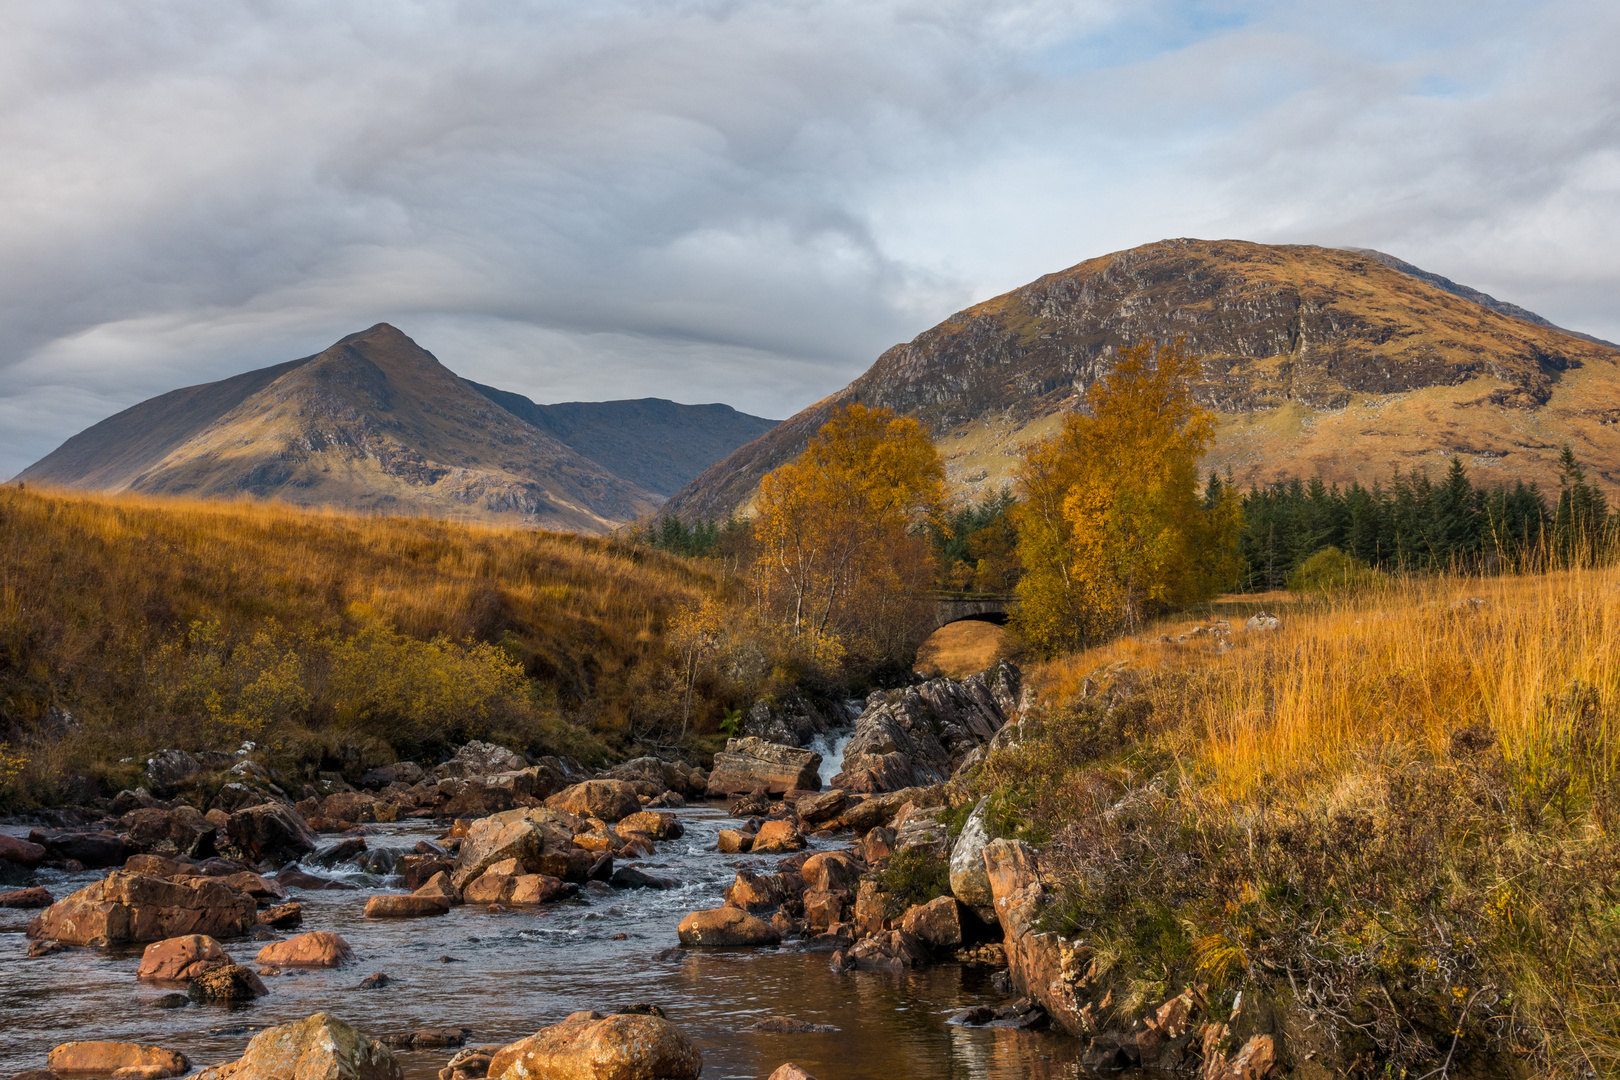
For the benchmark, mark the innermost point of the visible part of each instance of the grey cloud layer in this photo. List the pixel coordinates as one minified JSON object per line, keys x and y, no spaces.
{"x":737,"y":201}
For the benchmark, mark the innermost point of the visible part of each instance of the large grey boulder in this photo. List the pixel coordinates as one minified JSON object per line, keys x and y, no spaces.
{"x":970,"y":882}
{"x":169,"y":767}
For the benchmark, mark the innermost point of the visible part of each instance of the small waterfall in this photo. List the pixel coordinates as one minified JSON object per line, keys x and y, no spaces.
{"x":830,"y":744}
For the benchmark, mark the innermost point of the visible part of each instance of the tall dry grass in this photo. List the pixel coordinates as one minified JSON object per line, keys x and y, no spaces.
{"x":1397,"y":816}
{"x":92,"y":587}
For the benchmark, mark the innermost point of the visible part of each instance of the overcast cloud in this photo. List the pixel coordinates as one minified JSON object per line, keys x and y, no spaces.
{"x":736,"y":201}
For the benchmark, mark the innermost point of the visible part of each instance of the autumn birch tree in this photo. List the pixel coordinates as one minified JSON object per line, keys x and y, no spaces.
{"x":1111,"y":527}
{"x":840,"y":555}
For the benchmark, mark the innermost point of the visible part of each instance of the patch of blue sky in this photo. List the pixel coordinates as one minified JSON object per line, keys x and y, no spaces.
{"x":1140,"y":34}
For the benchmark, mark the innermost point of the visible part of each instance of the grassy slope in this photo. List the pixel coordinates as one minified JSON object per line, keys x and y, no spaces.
{"x":1395,"y":819}
{"x":92,"y":588}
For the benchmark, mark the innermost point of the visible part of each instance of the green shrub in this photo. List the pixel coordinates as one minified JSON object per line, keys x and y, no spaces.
{"x":1330,"y":571}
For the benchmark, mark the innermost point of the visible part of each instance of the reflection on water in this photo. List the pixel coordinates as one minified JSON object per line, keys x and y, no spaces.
{"x":507,"y":975}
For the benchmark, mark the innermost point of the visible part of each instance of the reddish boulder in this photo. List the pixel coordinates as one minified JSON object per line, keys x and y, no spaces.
{"x":609,"y":800}
{"x":271,"y":832}
{"x":734,"y":841}
{"x":832,"y":871}
{"x":439,"y":885}
{"x":790,"y":1071}
{"x":282,"y":916}
{"x":814,"y":809}
{"x":871,"y":910}
{"x":823,"y":908}
{"x":133,"y":907}
{"x":755,"y":892}
{"x":107,"y":1058}
{"x":21,"y":852}
{"x":589,"y":1046}
{"x":233,"y":982}
{"x":777,"y":838}
{"x":727,"y":926}
{"x":36,"y":897}
{"x":876,"y":845}
{"x":654,"y":824}
{"x":1037,"y":963}
{"x":181,"y":959}
{"x":410,"y":906}
{"x":937,"y":923}
{"x":317,"y":949}
{"x":749,"y":764}
{"x":892,"y":950}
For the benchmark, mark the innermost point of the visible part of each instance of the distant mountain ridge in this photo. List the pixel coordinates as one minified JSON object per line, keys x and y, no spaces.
{"x":1316,"y":360}
{"x":376,"y":423}
{"x":659,"y":444}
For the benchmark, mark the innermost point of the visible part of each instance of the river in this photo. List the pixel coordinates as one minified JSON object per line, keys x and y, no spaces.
{"x":505,"y":975}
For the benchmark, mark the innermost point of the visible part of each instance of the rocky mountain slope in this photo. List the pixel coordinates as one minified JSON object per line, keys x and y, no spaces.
{"x":657,"y":444}
{"x":374,"y":423}
{"x":1317,"y":361}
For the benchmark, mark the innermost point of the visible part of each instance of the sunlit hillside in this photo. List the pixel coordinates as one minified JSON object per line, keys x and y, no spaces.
{"x":129,"y":623}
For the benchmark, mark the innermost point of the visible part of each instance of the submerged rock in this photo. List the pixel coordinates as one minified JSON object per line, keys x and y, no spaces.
{"x":410,"y":906}
{"x":108,"y":1058}
{"x":233,"y":982}
{"x":181,"y":959}
{"x":316,"y":949}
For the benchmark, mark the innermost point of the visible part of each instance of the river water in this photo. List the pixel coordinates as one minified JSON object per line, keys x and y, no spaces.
{"x":505,"y":975}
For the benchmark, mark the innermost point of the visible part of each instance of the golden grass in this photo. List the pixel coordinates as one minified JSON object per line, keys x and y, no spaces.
{"x":1384,"y":675}
{"x":88,"y":582}
{"x":961,"y":648}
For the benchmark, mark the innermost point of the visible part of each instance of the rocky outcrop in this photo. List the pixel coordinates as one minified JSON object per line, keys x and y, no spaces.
{"x":125,"y":907}
{"x":319,"y":1047}
{"x":749,"y":764}
{"x":87,"y":1059}
{"x":793,"y":719}
{"x":540,"y":840}
{"x":590,"y":1046}
{"x":938,"y":923}
{"x":181,"y":959}
{"x":920,"y":735}
{"x":180,"y":831}
{"x":652,"y":776}
{"x":1043,"y":966}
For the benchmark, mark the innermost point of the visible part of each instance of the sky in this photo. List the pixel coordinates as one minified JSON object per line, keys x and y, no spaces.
{"x":724,"y":200}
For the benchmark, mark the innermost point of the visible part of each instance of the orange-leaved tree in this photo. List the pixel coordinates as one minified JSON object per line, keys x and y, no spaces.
{"x":1111,"y":527}
{"x":842,"y":563}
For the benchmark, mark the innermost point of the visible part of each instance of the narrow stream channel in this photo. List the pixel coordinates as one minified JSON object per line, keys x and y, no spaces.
{"x":509,"y":974}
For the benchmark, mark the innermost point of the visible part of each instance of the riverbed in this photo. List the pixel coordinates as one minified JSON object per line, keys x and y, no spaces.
{"x":505,"y":975}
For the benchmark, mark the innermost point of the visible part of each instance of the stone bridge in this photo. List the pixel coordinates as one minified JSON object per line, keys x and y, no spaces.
{"x":957,"y":607}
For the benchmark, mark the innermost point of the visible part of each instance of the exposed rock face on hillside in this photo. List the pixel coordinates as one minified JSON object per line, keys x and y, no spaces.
{"x":1318,"y":361}
{"x":373,"y":423}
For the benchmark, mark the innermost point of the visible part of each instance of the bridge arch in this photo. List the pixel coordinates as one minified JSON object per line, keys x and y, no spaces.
{"x":952,"y":609}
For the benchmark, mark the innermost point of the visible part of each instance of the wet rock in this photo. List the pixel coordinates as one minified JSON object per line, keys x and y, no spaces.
{"x":375,"y":981}
{"x":727,"y":926}
{"x":755,"y":892}
{"x":106,"y":1058}
{"x":832,"y":871}
{"x":974,"y":1017}
{"x":790,"y":1071}
{"x":880,"y":809}
{"x":162,"y":866}
{"x":346,"y":850}
{"x":540,"y":839}
{"x":748,"y":764}
{"x":316,"y":949}
{"x":891,"y":950}
{"x":871,"y":909}
{"x":842,"y":961}
{"x":282,"y":916}
{"x":734,"y":841}
{"x":785,"y":1025}
{"x":126,"y":907}
{"x":232,"y":982}
{"x":988,"y":954}
{"x":609,"y":800}
{"x":531,"y":889}
{"x":428,"y":1039}
{"x":643,"y":1008}
{"x":777,"y":837}
{"x":294,"y":878}
{"x":656,"y":825}
{"x":167,"y":768}
{"x":815,"y":809}
{"x":180,"y":831}
{"x":470,"y":1064}
{"x":401,"y":772}
{"x":937,"y":923}
{"x":93,"y":850}
{"x":17,"y":858}
{"x":35,"y":897}
{"x":418,"y":870}
{"x":876,"y":845}
{"x":822,"y":908}
{"x":480,"y":797}
{"x":269,"y":833}
{"x":181,"y":959}
{"x":784,"y":925}
{"x":969,"y":881}
{"x":263,"y":891}
{"x":587,"y":1046}
{"x":439,"y":886}
{"x":628,"y":877}
{"x":320,"y":1047}
{"x":38,"y":949}
{"x":35,"y":1074}
{"x":409,"y":906}
{"x":171,"y":1001}
{"x":754,"y":804}
{"x":673,"y":776}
